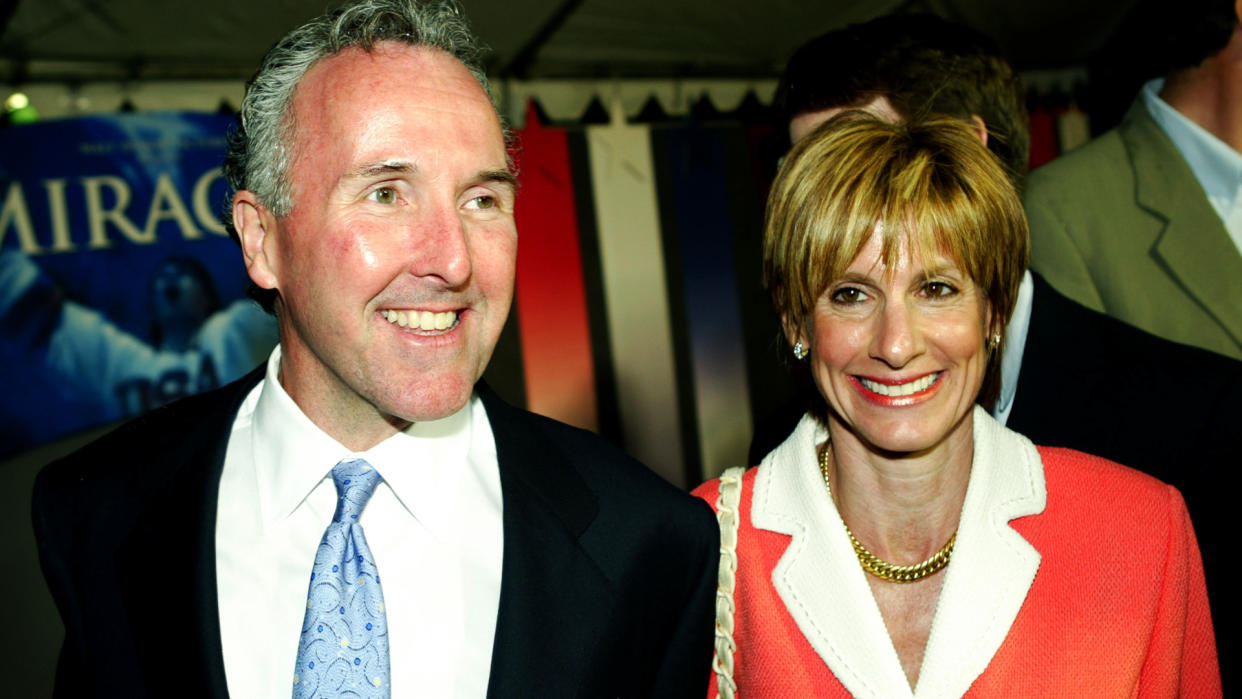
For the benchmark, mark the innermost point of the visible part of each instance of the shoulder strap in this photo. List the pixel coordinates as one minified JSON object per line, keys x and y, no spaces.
{"x":727,"y":505}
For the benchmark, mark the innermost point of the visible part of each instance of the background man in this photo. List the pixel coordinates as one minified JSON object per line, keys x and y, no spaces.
{"x":1145,"y":222}
{"x":520,"y":557}
{"x":1071,"y":377}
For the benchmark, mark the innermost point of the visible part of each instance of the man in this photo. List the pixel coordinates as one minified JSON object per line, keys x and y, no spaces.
{"x":519,"y":557}
{"x":1070,"y":376}
{"x":1145,"y":222}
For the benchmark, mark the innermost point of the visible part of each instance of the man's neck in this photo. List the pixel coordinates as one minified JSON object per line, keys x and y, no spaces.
{"x":1210,"y":94}
{"x":341,"y":415}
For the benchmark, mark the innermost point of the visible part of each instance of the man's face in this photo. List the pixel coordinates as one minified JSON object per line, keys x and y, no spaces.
{"x":803,"y":124}
{"x":806,"y":122}
{"x":395,"y":267}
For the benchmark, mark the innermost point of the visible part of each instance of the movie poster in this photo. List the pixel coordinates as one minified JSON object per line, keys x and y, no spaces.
{"x":120,"y":289}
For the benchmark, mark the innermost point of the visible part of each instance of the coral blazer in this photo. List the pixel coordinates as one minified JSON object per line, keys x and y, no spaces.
{"x":1071,"y":576}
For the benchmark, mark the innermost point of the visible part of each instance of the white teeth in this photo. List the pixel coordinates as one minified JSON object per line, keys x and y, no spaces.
{"x":421,"y":320}
{"x":905,"y":389}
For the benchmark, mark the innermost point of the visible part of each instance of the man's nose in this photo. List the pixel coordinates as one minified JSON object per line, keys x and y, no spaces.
{"x":898,"y":338}
{"x":442,"y":248}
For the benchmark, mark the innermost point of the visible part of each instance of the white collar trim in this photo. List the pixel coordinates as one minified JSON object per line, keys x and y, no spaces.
{"x":826,"y":591}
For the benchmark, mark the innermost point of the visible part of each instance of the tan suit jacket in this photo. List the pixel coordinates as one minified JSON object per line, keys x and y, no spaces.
{"x":1122,"y":226}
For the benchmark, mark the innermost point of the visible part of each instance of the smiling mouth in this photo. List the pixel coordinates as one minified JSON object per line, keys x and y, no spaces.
{"x":902,"y":389}
{"x":426,"y":322}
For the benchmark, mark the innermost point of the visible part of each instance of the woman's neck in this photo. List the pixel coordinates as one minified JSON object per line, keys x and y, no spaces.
{"x":902,"y":507}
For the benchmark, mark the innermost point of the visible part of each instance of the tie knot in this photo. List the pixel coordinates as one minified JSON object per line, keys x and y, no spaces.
{"x":355,"y":481}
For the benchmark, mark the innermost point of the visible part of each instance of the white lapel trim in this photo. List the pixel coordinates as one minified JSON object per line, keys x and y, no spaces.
{"x":818,"y":577}
{"x":993,"y":566}
{"x":826,"y":592}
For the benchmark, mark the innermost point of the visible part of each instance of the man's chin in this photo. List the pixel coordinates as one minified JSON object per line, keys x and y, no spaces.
{"x":425,"y":403}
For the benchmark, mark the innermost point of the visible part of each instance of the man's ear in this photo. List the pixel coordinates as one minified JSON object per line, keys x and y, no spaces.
{"x":981,"y":127}
{"x":256,"y":229}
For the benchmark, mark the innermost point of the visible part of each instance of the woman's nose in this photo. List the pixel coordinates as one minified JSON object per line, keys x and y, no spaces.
{"x":898,"y":338}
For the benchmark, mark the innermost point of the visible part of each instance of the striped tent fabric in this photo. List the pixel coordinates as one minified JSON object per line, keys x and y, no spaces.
{"x":638,"y":310}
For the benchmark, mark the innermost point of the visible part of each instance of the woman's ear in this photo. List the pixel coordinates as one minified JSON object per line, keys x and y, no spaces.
{"x":795,"y":335}
{"x":256,"y":230}
{"x":995,"y":328}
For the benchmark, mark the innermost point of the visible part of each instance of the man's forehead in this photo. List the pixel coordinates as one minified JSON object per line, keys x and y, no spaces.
{"x":392,"y":65}
{"x":379,"y":95}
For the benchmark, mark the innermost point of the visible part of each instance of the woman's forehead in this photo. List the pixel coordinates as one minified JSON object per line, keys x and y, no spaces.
{"x":889,"y":249}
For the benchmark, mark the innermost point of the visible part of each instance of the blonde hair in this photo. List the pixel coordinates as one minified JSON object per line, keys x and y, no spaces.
{"x":933,"y":180}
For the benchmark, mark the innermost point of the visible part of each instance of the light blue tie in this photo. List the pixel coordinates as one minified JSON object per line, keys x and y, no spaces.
{"x":344,"y":647}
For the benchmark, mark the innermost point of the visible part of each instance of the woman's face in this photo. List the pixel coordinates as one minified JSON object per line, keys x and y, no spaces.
{"x":899,"y":354}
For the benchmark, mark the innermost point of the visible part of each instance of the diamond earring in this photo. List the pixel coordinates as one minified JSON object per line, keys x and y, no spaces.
{"x":799,"y":351}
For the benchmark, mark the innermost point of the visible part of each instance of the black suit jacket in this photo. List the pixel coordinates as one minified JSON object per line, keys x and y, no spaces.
{"x":1099,"y":385}
{"x":608,"y":575}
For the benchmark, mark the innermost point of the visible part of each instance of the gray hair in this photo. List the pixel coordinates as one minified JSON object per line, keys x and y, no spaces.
{"x":258,"y":145}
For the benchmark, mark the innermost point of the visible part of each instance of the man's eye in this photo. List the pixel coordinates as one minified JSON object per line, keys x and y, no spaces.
{"x":483,"y":202}
{"x":384,"y":195}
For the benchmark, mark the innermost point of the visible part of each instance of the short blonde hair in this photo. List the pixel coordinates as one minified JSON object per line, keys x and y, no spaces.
{"x":933,"y":179}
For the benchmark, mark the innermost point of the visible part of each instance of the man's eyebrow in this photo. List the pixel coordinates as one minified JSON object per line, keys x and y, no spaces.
{"x":402,"y":167}
{"x":384,"y":168}
{"x":498,"y":176}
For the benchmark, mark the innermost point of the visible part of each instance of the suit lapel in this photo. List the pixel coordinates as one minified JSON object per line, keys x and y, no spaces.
{"x":818,"y":577}
{"x":826,"y":591}
{"x":168,"y":564}
{"x":554,"y":599}
{"x":1194,"y":246}
{"x":993,"y":565}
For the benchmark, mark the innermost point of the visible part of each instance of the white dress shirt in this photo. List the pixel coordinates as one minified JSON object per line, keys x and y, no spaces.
{"x":434,"y":526}
{"x":1015,"y":345}
{"x":1216,"y":166}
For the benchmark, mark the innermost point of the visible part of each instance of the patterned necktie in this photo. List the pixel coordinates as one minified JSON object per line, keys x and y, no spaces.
{"x":344,"y":645}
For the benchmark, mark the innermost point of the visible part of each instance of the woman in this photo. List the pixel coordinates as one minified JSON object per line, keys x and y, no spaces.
{"x":901,"y":542}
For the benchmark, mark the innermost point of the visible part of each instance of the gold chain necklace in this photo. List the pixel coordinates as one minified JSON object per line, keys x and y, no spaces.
{"x":883,"y":569}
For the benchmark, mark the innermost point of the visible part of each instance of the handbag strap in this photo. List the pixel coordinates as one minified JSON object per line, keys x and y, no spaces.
{"x":727,"y":506}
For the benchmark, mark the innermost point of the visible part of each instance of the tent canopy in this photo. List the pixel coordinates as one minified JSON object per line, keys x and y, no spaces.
{"x":86,"y":40}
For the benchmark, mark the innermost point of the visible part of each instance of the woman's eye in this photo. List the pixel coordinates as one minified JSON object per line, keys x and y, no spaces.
{"x":939,"y":289}
{"x":384,"y":195}
{"x":848,"y":295}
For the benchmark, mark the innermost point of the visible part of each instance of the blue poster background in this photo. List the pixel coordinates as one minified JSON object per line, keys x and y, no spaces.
{"x":119,"y":288}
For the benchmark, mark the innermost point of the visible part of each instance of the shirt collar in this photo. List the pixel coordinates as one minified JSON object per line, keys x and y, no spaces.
{"x":293,"y":456}
{"x":1015,"y":343}
{"x":1216,"y":166}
